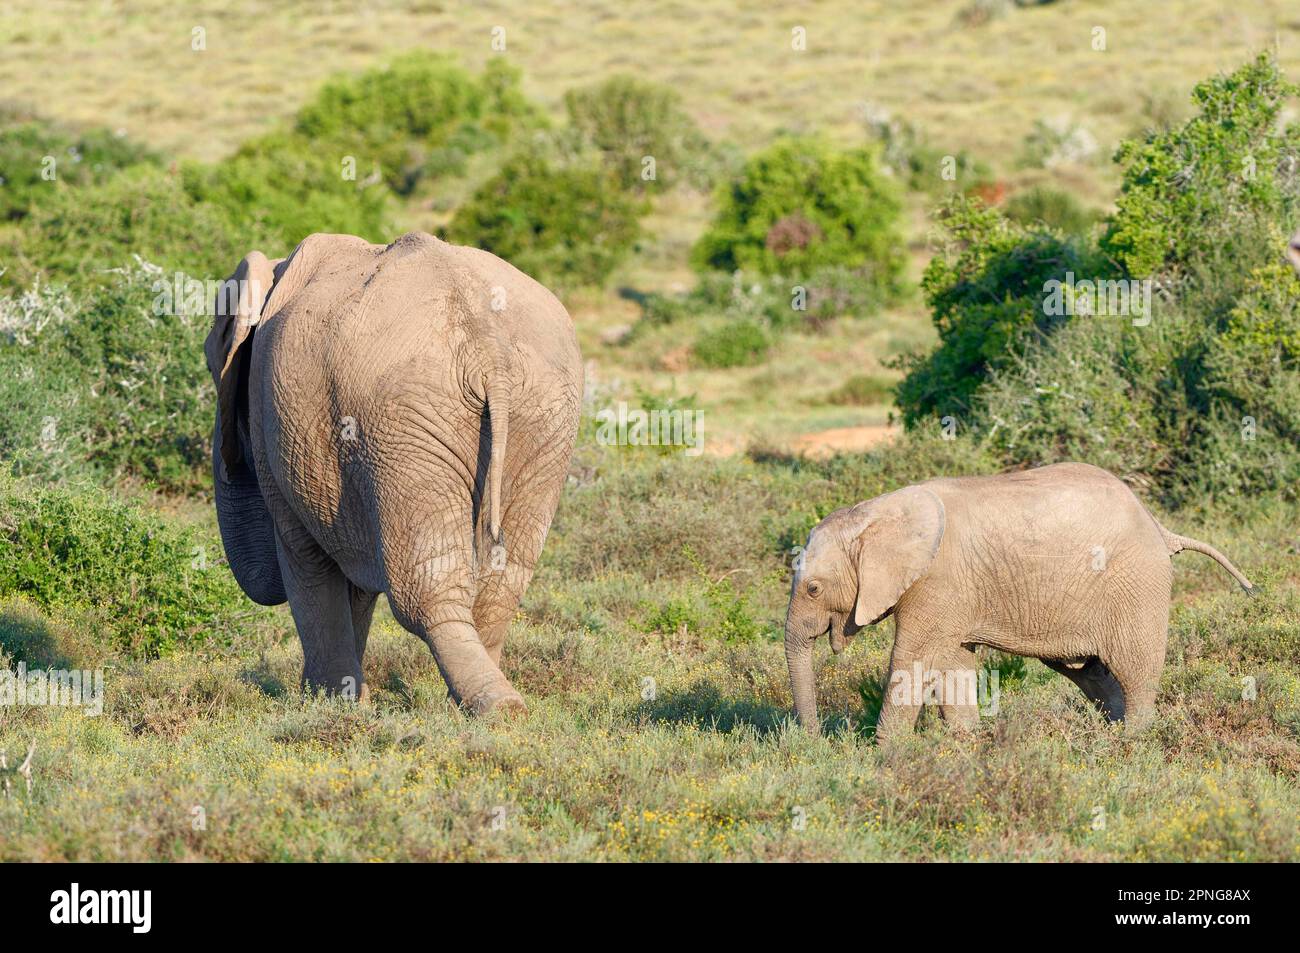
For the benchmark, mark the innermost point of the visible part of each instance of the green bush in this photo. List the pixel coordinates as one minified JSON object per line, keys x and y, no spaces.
{"x":79,"y":158}
{"x":78,"y":235}
{"x":149,"y":586}
{"x":286,"y":187}
{"x":801,"y":205}
{"x":1089,"y":393}
{"x":862,"y":390}
{"x":1207,"y":196}
{"x":922,"y":165}
{"x":1252,"y":381}
{"x":111,"y":386}
{"x":1059,"y":141}
{"x":334,"y":169}
{"x":738,"y":343}
{"x":567,"y":225}
{"x":626,"y":119}
{"x":709,"y":607}
{"x":1053,"y":208}
{"x":418,"y":116}
{"x":986,"y":295}
{"x":778,"y":303}
{"x":1199,"y":404}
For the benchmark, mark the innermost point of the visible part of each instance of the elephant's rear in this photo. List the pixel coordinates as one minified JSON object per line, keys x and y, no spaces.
{"x":1055,"y":549}
{"x":381,"y":370}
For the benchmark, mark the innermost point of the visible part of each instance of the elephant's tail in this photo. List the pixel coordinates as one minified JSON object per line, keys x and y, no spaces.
{"x":1178,"y":543}
{"x":498,"y":401}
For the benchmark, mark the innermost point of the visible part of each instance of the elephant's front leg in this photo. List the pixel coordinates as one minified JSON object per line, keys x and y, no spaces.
{"x":904,"y":687}
{"x":958,"y":669}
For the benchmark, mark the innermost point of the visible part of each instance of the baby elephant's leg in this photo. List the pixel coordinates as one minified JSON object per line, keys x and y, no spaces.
{"x":1096,"y":682}
{"x":958,"y":669}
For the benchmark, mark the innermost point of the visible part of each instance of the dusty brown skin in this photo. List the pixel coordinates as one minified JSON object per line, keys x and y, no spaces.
{"x":1062,"y":563}
{"x":393,"y":419}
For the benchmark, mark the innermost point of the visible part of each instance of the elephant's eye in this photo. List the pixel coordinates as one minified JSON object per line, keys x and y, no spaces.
{"x":814,"y":588}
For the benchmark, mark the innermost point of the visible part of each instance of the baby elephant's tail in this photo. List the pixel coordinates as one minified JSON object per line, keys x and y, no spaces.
{"x":1178,"y":543}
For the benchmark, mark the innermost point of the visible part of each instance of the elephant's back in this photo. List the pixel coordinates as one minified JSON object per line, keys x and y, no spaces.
{"x":1052,"y":543}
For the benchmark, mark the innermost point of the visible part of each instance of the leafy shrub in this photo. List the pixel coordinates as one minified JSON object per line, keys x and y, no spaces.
{"x":1201,"y":403}
{"x":148,"y":585}
{"x":800,"y":205}
{"x":1059,"y":141}
{"x":418,"y":115}
{"x":287,"y":187}
{"x":920,"y":163}
{"x":1207,"y":196}
{"x":1252,"y":380}
{"x":986,"y":295}
{"x":1087,"y":393}
{"x":79,"y":158}
{"x":1053,"y":208}
{"x":862,"y":390}
{"x":78,"y":235}
{"x":626,"y":119}
{"x":714,"y":607}
{"x":778,"y":303}
{"x":570,"y":225}
{"x":738,"y":343}
{"x":110,"y":386}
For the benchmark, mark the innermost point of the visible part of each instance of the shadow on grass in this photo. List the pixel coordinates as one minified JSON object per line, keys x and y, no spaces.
{"x":702,"y":704}
{"x":27,"y":638}
{"x":636,"y":295}
{"x":263,"y":677}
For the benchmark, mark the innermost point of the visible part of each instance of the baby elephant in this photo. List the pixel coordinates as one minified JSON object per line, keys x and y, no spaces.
{"x":1061,"y":563}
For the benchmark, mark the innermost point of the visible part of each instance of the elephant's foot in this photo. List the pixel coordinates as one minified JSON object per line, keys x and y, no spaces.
{"x":508,"y":702}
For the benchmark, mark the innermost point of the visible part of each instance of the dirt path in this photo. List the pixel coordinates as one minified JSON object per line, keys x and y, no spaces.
{"x":826,"y":443}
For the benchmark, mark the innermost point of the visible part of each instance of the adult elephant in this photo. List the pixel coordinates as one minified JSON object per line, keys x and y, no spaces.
{"x":394,"y":419}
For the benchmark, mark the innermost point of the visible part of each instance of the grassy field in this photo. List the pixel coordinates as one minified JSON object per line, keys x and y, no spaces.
{"x":216,"y":756}
{"x":648,"y":647}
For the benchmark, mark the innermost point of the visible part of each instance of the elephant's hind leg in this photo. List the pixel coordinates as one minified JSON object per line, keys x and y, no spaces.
{"x":320,"y":598}
{"x":1096,"y":682}
{"x":434,"y":600}
{"x":363,"y":613}
{"x":1136,"y":662}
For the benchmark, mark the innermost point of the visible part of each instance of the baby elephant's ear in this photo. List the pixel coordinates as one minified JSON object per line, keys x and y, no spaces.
{"x":899,"y":539}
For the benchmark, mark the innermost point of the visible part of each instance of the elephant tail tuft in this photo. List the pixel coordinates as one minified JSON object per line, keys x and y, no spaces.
{"x":1178,"y":543}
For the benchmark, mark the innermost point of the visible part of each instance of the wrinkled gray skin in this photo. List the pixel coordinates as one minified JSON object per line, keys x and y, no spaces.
{"x":1062,"y":563}
{"x":391,"y":419}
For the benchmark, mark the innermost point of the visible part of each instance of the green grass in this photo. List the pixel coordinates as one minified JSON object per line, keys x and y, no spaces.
{"x":706,"y":766}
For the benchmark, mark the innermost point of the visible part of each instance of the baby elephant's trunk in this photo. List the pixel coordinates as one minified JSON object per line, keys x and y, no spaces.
{"x":798,"y":657}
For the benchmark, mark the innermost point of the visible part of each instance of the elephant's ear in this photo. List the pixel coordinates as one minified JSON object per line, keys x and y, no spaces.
{"x":238,"y":310}
{"x":900,"y":536}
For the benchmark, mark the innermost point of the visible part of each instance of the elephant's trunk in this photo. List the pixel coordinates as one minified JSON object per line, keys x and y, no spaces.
{"x":247,"y":532}
{"x":798,"y":656}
